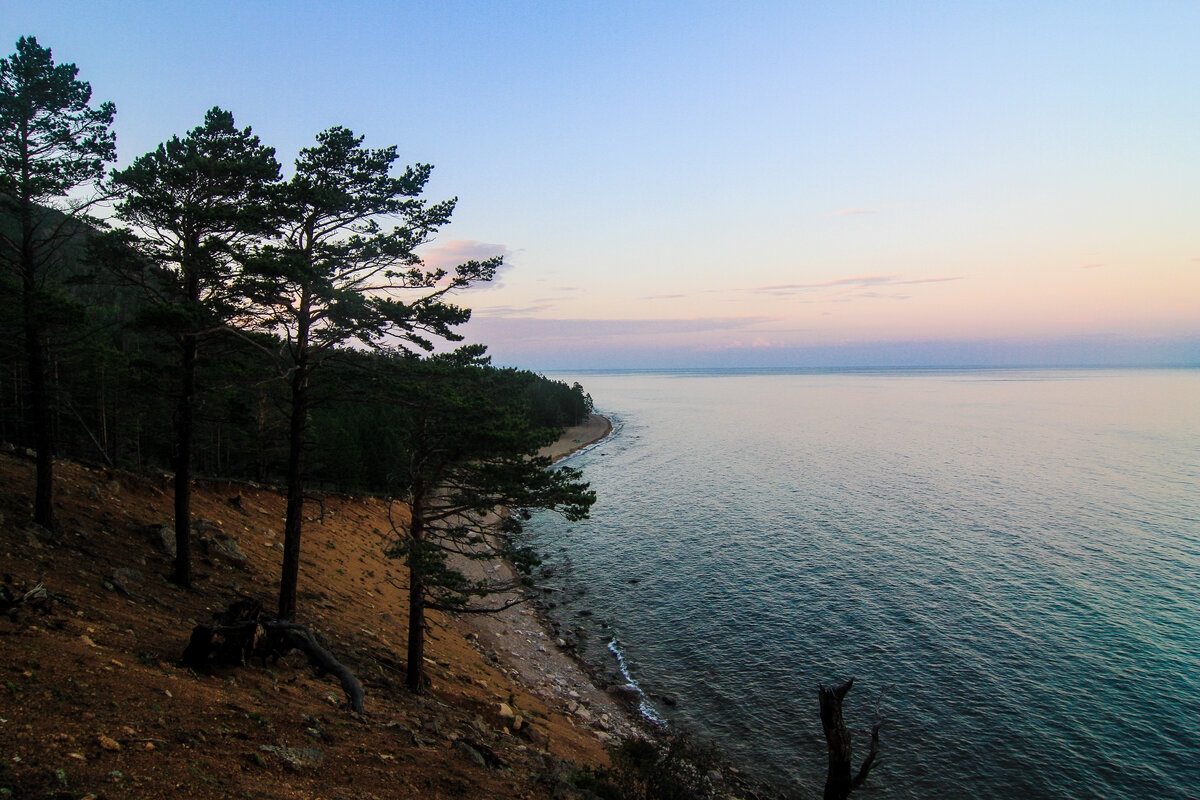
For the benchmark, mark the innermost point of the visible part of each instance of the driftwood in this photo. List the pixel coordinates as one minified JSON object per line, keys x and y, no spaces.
{"x":838,"y":782}
{"x":241,"y":632}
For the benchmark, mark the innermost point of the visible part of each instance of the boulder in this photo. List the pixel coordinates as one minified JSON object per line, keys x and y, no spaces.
{"x":124,"y":579}
{"x":226,"y":547}
{"x":296,"y":757}
{"x":162,"y":536}
{"x":536,"y":736}
{"x":471,"y":754}
{"x":201,"y":526}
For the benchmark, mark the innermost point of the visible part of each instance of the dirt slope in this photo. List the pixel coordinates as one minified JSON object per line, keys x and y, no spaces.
{"x":93,"y":704}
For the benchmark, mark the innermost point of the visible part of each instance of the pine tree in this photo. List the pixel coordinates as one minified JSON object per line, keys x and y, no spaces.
{"x":338,"y":277}
{"x":470,"y":477}
{"x":53,"y":143}
{"x":192,"y":206}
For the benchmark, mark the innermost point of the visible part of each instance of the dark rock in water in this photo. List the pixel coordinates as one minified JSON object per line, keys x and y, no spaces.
{"x":635,"y":580}
{"x":625,"y":691}
{"x":584,"y":613}
{"x":667,"y":699}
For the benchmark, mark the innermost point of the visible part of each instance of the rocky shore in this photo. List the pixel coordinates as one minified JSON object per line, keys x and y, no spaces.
{"x":526,"y":643}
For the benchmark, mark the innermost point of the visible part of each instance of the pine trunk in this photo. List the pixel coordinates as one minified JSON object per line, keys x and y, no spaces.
{"x":290,"y":576}
{"x":182,"y":573}
{"x":39,"y":410}
{"x":39,"y":396}
{"x":414,"y":676}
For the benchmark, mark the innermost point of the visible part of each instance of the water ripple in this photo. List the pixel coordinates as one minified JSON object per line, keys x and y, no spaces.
{"x":1009,"y":568}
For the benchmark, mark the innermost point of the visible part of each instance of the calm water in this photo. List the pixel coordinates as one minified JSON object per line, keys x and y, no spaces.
{"x":1008,"y":562}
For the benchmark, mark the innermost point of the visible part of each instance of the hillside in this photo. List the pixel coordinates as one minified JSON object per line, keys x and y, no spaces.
{"x":96,"y":705}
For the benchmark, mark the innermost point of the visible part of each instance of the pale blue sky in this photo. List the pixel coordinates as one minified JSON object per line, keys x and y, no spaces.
{"x":742,"y":183}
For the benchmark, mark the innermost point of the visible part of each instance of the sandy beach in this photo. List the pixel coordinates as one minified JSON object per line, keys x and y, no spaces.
{"x":578,"y":437}
{"x":534,"y":657}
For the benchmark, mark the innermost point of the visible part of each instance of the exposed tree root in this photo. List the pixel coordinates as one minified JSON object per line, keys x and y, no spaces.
{"x":242,"y":632}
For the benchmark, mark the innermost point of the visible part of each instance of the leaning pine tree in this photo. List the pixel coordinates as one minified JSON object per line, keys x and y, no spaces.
{"x":470,"y":477}
{"x":338,"y":277}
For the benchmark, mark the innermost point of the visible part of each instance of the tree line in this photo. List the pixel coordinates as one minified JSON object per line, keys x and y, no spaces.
{"x":199,"y":312}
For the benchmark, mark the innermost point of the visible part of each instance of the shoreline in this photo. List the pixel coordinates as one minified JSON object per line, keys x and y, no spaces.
{"x":577,"y":437}
{"x":524,"y":638}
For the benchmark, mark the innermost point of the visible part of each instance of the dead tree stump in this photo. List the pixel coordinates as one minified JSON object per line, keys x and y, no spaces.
{"x":838,"y":781}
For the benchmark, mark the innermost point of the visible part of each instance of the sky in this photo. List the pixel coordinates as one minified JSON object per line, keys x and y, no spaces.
{"x":699,"y":184}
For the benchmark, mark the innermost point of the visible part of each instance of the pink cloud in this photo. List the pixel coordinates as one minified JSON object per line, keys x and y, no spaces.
{"x":449,"y":255}
{"x":861,"y":281}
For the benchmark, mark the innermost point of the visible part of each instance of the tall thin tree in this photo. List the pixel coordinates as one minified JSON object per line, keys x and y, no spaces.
{"x":191,"y":207}
{"x":339,"y":278}
{"x":53,"y":144}
{"x":470,"y":451}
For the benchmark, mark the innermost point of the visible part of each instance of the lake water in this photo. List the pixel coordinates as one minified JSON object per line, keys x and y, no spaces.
{"x":1006,"y":561}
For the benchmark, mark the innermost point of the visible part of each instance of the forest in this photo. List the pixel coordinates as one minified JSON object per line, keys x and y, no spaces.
{"x":198,"y":313}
